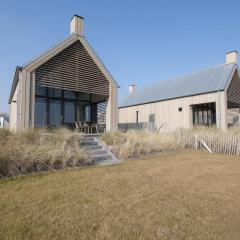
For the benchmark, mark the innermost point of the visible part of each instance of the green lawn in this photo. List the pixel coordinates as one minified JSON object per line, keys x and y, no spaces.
{"x":188,"y":195}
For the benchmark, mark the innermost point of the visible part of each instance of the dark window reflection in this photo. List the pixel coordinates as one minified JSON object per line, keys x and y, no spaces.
{"x":69,"y":94}
{"x":204,"y":114}
{"x":40,"y":112}
{"x":69,"y":112}
{"x":55,"y":107}
{"x":55,"y":113}
{"x":41,"y":91}
{"x":55,"y":92}
{"x":83,"y":112}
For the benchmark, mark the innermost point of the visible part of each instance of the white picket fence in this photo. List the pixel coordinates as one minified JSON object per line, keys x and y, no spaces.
{"x":214,"y":142}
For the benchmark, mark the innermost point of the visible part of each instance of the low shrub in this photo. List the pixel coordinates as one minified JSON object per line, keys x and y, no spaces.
{"x":39,"y":150}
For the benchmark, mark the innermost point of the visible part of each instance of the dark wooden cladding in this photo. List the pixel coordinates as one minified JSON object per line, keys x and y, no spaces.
{"x":233,"y":91}
{"x":73,"y":69}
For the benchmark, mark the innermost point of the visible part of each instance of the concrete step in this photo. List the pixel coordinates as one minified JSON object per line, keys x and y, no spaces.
{"x":107,"y":162}
{"x":91,"y":135}
{"x":92,"y":147}
{"x":88,"y":139}
{"x":101,"y":157}
{"x":95,"y":152}
{"x":88,"y":143}
{"x":98,"y":153}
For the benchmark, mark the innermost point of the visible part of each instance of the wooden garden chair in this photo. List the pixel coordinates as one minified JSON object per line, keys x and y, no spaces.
{"x":81,"y":127}
{"x":94,"y":126}
{"x":86,"y":127}
{"x":77,"y":128}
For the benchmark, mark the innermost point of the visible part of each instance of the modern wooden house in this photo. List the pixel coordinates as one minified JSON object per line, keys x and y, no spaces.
{"x":208,"y":97}
{"x":67,"y":83}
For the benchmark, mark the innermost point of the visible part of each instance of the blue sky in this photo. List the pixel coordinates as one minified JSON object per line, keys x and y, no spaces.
{"x":139,"y":41}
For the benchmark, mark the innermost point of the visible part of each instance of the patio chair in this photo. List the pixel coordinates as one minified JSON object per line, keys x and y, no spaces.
{"x":77,"y":128}
{"x":86,"y":127}
{"x":80,"y":124}
{"x":94,"y":126}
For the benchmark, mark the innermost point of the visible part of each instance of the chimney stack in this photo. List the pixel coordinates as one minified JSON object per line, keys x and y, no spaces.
{"x":76,"y":25}
{"x":131,"y":88}
{"x":232,"y":57}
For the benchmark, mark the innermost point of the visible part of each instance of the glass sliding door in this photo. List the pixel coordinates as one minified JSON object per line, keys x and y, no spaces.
{"x":204,"y":114}
{"x":69,"y":112}
{"x":40,"y":119}
{"x":55,"y":116}
{"x":83,"y":111}
{"x":55,"y":107}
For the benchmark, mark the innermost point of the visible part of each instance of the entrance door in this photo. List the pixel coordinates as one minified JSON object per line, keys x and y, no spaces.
{"x":151,"y":122}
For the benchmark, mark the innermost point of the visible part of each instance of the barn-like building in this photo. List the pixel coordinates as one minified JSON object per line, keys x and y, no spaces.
{"x":208,"y":97}
{"x":64,"y":85}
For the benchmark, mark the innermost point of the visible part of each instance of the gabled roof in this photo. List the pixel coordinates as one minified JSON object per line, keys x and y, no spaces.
{"x":67,"y":41}
{"x":15,"y":82}
{"x":44,"y":57}
{"x":205,"y":81}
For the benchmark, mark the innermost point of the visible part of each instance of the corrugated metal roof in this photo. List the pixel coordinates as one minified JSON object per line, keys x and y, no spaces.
{"x":208,"y":80}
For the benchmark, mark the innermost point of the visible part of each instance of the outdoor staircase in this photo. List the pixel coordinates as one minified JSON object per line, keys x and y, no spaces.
{"x":99,"y":153}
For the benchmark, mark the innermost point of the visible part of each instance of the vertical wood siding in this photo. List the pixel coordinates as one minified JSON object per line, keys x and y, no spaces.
{"x":167,"y":112}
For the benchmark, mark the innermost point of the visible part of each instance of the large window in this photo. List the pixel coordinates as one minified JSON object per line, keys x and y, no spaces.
{"x":55,"y":116}
{"x":204,"y":114}
{"x":55,"y":107}
{"x":69,"y":112}
{"x":40,"y":112}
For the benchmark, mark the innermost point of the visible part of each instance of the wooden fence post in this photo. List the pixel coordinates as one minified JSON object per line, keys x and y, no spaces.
{"x":196,"y":142}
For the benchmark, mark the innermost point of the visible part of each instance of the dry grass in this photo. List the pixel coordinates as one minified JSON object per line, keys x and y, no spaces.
{"x":39,"y":150}
{"x":219,"y":141}
{"x":133,"y":144}
{"x":190,"y":195}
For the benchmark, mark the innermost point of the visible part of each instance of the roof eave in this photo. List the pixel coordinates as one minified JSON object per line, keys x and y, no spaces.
{"x":15,"y":83}
{"x":98,"y":61}
{"x":231,"y":76}
{"x":42,"y":58}
{"x":168,"y":99}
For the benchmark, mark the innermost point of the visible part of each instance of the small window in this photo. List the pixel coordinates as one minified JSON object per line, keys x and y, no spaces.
{"x":152,"y":118}
{"x":180,"y":109}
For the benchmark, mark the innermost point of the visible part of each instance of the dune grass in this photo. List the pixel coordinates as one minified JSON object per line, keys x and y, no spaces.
{"x":189,"y":195}
{"x":134,"y":144}
{"x":39,"y":150}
